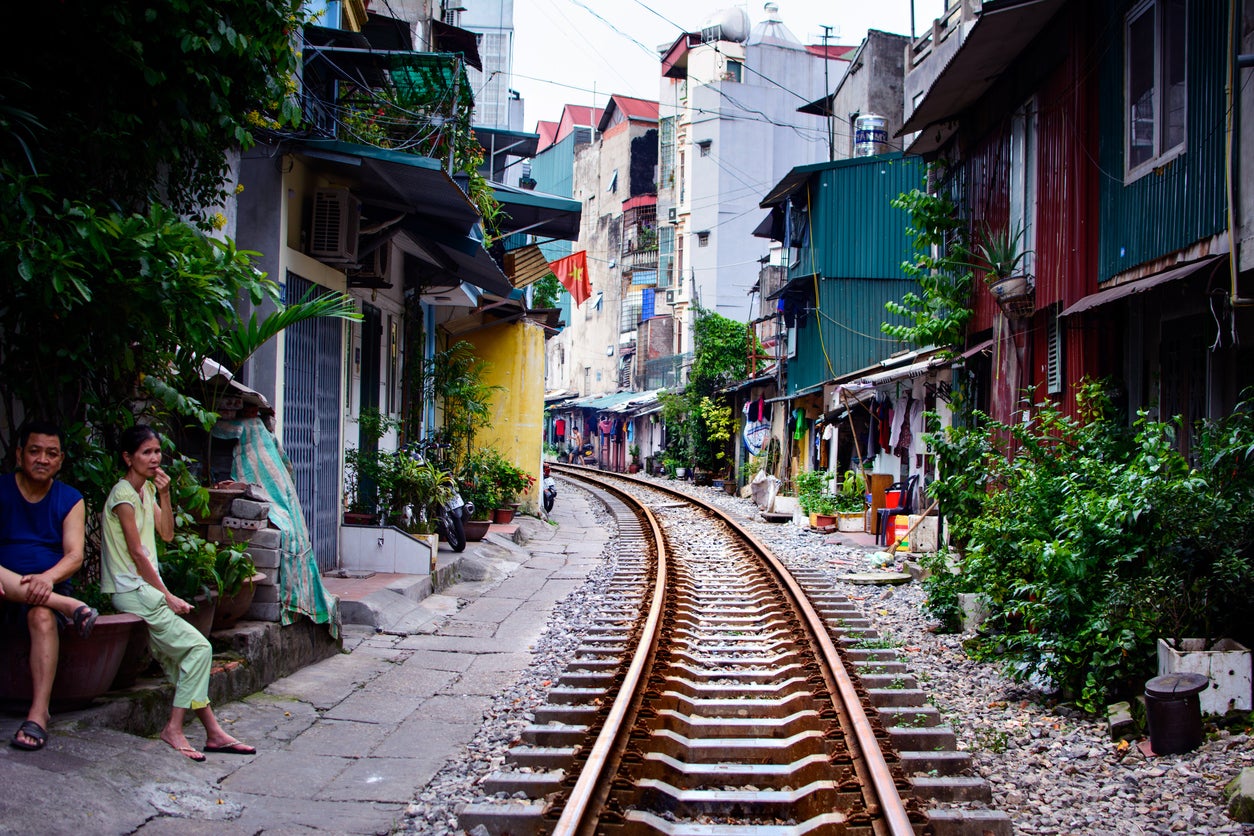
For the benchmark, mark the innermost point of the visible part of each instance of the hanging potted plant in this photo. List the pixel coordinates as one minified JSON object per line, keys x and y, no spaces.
{"x":997,"y":254}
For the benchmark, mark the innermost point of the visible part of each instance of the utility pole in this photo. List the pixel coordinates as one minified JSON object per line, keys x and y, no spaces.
{"x":827,"y":94}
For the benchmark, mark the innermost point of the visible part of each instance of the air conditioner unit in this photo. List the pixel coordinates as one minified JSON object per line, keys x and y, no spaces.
{"x":672,"y":214}
{"x":336,"y":219}
{"x":380,"y":268}
{"x":670,"y":297}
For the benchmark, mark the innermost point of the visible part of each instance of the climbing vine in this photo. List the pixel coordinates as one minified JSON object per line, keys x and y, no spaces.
{"x":937,"y":314}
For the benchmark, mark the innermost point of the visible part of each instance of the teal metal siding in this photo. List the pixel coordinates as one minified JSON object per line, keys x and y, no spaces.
{"x":850,"y":313}
{"x":855,"y":231}
{"x":554,"y":173}
{"x":1183,"y":202}
{"x":858,"y":242}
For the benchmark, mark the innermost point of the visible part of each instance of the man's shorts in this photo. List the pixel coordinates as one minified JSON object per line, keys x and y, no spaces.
{"x":14,"y":615}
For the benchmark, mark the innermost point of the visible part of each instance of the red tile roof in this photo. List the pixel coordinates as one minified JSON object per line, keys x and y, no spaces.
{"x":547,"y":132}
{"x":575,"y":115}
{"x":834,"y":52}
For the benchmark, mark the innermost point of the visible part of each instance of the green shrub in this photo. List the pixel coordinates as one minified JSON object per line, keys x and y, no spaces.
{"x":1089,"y":540}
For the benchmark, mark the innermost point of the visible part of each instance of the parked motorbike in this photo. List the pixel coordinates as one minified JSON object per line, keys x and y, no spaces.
{"x":450,"y":515}
{"x":550,"y":489}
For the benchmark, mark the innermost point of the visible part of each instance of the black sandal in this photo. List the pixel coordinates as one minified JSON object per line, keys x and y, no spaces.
{"x":84,"y":620}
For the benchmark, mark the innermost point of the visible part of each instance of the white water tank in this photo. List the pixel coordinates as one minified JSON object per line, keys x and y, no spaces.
{"x":730,"y":25}
{"x":870,"y":137}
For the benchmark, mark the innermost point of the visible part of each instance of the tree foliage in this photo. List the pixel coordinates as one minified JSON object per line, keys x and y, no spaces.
{"x":937,"y":315}
{"x":142,"y":102}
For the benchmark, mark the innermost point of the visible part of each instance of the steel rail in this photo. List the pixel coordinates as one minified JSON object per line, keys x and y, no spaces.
{"x":580,"y":804}
{"x":875,"y":769}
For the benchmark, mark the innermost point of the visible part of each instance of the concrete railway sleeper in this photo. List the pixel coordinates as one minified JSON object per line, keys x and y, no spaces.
{"x":719,"y":694}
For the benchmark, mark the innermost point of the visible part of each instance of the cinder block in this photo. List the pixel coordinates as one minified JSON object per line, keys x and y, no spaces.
{"x":237,"y":523}
{"x":264,"y":558}
{"x":272,"y":576}
{"x":266,"y":538}
{"x":263,"y":612}
{"x":1119,"y":719}
{"x":247,"y":509}
{"x":266,"y":595}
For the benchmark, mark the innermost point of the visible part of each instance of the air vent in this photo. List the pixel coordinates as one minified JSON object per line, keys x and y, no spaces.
{"x":672,"y":214}
{"x":336,"y":217}
{"x":670,"y":297}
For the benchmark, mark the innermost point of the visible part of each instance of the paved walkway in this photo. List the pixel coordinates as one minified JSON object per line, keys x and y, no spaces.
{"x":345,"y":744}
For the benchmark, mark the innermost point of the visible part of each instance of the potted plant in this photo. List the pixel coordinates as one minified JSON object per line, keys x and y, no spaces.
{"x":237,"y":578}
{"x":809,"y":487}
{"x":188,"y":566}
{"x":634,"y":452}
{"x":368,"y":473}
{"x":850,"y":502}
{"x":997,"y":254}
{"x":823,"y":511}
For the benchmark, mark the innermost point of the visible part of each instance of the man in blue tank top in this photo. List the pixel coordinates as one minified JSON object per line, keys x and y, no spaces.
{"x":41,"y":540}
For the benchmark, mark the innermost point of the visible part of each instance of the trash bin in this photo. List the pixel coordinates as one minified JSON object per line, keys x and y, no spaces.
{"x":1174,"y":712}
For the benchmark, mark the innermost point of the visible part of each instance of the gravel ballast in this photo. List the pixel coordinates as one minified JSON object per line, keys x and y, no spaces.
{"x":1052,"y":769}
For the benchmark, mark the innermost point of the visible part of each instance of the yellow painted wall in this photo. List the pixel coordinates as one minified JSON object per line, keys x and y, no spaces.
{"x":516,"y":354}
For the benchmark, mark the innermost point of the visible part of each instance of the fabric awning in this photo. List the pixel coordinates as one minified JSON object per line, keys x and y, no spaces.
{"x":454,"y":39}
{"x":997,"y":38}
{"x":1123,"y":291}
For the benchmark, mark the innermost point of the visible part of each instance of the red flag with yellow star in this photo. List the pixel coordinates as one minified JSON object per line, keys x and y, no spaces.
{"x":572,"y":272}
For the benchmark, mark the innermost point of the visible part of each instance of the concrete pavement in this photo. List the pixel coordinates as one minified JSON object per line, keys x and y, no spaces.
{"x":344,"y":744}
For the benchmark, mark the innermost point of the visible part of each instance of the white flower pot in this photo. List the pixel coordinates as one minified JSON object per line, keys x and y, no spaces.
{"x":851,"y":522}
{"x":1226,"y":663}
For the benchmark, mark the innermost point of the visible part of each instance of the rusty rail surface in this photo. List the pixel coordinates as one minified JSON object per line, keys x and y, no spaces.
{"x":884,"y":803}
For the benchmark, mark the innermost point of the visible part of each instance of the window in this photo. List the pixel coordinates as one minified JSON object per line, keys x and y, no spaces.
{"x":704,"y":145}
{"x":613,"y":187}
{"x":703,"y":239}
{"x":1155,"y":90}
{"x":1053,"y":353}
{"x":735,"y":70}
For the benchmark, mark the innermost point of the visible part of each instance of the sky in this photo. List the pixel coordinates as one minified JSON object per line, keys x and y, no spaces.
{"x":564,"y":50}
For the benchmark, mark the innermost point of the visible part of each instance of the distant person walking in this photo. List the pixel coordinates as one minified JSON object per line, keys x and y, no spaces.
{"x":138,"y":509}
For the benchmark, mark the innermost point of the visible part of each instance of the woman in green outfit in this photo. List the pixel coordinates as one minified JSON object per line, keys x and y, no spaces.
{"x":136,"y":511}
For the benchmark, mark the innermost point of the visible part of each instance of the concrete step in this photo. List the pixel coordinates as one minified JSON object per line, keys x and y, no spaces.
{"x":960,"y":822}
{"x":534,"y":784}
{"x":504,"y":818}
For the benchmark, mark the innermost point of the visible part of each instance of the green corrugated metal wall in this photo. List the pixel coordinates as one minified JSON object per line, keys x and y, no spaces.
{"x":850,"y":313}
{"x":860,"y":242}
{"x":1183,"y":201}
{"x":854,"y":229}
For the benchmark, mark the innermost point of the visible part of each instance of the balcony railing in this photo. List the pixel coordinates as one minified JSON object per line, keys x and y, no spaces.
{"x":666,"y":372}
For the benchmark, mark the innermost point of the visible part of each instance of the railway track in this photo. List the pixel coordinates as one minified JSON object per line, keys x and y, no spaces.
{"x":718,"y":694}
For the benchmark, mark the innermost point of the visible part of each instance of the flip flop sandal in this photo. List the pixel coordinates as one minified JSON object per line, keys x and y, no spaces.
{"x":232,"y":748}
{"x":84,"y":620}
{"x":35,"y":732}
{"x":187,"y":752}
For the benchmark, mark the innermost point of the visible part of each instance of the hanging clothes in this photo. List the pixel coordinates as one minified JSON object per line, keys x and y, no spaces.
{"x":885,"y":423}
{"x":872,"y":446}
{"x":900,"y":411}
{"x":799,"y":426}
{"x":605,"y":426}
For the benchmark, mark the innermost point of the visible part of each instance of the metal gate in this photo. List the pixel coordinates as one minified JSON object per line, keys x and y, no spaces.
{"x":311,"y":418}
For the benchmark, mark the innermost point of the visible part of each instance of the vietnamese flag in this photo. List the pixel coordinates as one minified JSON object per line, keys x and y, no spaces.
{"x":572,"y":272}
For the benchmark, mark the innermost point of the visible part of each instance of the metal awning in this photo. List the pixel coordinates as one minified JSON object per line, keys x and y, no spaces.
{"x":393,"y":180}
{"x":545,"y":215}
{"x":1123,"y":291}
{"x":1003,"y":30}
{"x":503,"y":141}
{"x":460,"y":257}
{"x":454,"y":39}
{"x":795,"y":284}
